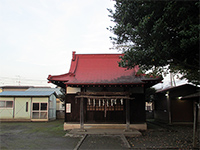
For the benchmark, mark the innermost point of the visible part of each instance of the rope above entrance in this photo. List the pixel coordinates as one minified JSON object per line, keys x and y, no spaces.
{"x":104,"y":95}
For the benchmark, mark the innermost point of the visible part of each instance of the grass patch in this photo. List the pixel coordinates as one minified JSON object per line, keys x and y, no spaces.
{"x":35,"y":135}
{"x":52,"y":127}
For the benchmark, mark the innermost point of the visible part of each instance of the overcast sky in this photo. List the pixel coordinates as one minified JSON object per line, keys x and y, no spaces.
{"x":37,"y":37}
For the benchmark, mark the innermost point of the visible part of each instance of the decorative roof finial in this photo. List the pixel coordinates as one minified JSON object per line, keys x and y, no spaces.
{"x":73,"y":55}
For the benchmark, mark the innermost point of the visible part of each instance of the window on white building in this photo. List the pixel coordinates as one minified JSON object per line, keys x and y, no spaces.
{"x":6,"y":104}
{"x":39,"y":111}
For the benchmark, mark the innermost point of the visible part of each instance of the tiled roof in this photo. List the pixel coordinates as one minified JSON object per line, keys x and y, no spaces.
{"x":26,"y":93}
{"x":98,"y":69}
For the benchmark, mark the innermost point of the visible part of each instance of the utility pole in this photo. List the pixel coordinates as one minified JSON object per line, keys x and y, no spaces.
{"x":18,"y":79}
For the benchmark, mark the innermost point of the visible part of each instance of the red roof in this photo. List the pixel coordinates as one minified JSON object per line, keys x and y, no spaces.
{"x":97,"y":69}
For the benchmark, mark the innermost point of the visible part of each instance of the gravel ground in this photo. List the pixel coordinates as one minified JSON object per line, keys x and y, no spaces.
{"x":161,"y":136}
{"x":41,"y":135}
{"x":103,"y":142}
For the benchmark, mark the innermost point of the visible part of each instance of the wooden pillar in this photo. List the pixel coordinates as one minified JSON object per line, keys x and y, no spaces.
{"x":82,"y":111}
{"x":82,"y":116}
{"x":195,"y":124}
{"x":127,"y":115}
{"x":169,"y":109}
{"x":65,"y":104}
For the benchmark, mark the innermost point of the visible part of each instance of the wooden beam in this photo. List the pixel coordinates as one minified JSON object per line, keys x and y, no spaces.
{"x":104,"y":93}
{"x":104,"y":97}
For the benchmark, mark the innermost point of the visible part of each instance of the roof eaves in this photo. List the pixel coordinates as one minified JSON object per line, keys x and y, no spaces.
{"x":27,"y":94}
{"x":171,"y":88}
{"x":195,"y":95}
{"x":68,"y":83}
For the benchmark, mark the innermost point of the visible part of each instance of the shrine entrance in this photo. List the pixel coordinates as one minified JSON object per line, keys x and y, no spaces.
{"x":105,"y":110}
{"x":104,"y":107}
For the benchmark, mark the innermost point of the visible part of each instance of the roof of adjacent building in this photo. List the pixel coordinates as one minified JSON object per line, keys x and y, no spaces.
{"x":27,"y":93}
{"x":99,"y":69}
{"x":15,"y":87}
{"x":173,"y":88}
{"x":56,"y":90}
{"x":22,"y":87}
{"x":192,"y":96}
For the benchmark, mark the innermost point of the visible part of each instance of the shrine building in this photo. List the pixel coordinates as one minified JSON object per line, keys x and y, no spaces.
{"x":99,"y":92}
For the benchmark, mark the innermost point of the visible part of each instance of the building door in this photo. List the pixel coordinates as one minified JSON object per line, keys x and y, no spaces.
{"x":22,"y":108}
{"x":105,"y":110}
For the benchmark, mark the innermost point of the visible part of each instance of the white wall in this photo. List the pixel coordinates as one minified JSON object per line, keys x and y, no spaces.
{"x":6,"y":113}
{"x":73,"y":90}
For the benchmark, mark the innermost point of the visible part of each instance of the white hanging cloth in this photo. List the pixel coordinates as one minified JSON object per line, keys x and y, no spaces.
{"x":121,"y":101}
{"x":89,"y":101}
{"x":115,"y":101}
{"x":99,"y":102}
{"x":93,"y":102}
{"x":111,"y":102}
{"x":103,"y":102}
{"x":107,"y":103}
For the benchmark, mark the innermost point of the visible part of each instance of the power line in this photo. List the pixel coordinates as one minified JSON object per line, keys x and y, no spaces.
{"x":19,"y":80}
{"x":16,"y":78}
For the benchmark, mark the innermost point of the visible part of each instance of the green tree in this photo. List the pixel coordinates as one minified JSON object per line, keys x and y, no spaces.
{"x":159,"y":36}
{"x":149,"y":94}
